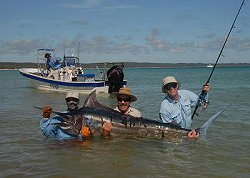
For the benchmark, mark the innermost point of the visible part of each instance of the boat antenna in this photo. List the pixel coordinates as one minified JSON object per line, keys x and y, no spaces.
{"x":202,"y":95}
{"x":78,"y":53}
{"x":64,"y":50}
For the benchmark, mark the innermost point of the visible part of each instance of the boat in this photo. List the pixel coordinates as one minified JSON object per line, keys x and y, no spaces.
{"x":210,"y":65}
{"x":56,"y":74}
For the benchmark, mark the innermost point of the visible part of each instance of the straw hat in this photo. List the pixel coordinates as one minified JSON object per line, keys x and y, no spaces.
{"x":72,"y":94}
{"x":127,"y":92}
{"x":167,"y":80}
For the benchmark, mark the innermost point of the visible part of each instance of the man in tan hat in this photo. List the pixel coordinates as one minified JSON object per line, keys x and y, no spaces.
{"x":176,"y":106}
{"x":124,"y":98}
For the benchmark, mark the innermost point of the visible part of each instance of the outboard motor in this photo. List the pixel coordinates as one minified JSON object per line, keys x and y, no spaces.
{"x":115,"y":78}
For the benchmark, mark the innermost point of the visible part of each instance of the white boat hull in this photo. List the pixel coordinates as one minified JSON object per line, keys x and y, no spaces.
{"x":44,"y":83}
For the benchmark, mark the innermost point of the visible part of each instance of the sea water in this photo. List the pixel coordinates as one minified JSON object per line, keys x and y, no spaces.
{"x":224,"y":152}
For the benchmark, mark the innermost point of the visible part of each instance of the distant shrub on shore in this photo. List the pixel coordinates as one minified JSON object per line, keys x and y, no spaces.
{"x":16,"y":65}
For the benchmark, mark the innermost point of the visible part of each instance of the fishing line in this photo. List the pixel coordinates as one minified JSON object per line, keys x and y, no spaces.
{"x":202,"y":95}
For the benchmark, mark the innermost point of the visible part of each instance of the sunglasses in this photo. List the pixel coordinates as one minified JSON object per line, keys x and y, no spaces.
{"x":71,"y":99}
{"x":171,"y":85}
{"x":124,"y":98}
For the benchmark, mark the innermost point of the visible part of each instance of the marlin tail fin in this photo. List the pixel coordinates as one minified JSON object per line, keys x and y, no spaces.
{"x":203,"y":129}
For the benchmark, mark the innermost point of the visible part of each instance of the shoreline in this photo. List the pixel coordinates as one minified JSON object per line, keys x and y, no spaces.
{"x":8,"y":69}
{"x":17,"y":66}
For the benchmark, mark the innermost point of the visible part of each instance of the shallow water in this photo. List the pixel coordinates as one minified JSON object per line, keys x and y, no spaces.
{"x":225,"y":151}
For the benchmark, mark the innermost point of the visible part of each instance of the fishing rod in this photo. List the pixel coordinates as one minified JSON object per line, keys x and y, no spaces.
{"x":202,"y":95}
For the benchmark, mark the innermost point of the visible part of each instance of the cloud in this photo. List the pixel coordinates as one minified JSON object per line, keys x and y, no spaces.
{"x":119,"y":7}
{"x":79,"y":22}
{"x":122,"y":46}
{"x":233,"y":43}
{"x":208,"y":36}
{"x":92,"y":4}
{"x":84,"y":4}
{"x":153,"y":41}
{"x":102,"y":45}
{"x":21,"y":47}
{"x":239,"y":44}
{"x":156,"y":43}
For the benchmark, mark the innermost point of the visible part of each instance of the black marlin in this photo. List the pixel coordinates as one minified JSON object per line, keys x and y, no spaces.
{"x":95,"y":114}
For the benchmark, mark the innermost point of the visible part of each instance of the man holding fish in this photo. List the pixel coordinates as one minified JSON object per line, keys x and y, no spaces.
{"x":48,"y":125}
{"x":176,"y":106}
{"x":81,"y":123}
{"x":124,"y":99}
{"x":50,"y":128}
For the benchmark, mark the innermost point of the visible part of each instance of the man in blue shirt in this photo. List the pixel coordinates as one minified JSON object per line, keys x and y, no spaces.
{"x":48,"y":125}
{"x":176,"y":106}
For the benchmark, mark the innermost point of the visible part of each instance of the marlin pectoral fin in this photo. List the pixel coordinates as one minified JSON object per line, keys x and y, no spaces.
{"x":69,"y":129}
{"x":203,"y":129}
{"x":62,"y":114}
{"x":61,"y":124}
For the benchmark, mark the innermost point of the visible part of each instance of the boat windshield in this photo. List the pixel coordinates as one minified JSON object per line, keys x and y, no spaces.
{"x":70,"y":61}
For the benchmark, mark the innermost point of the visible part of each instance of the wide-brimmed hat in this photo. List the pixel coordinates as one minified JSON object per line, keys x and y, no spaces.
{"x":72,"y":94}
{"x":167,"y":80}
{"x":126,"y":91}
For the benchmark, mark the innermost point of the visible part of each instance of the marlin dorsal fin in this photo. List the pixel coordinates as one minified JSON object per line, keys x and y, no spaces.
{"x":91,"y":101}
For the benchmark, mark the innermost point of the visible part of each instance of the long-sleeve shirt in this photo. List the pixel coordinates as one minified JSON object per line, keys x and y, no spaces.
{"x":50,"y":129}
{"x":178,"y":111}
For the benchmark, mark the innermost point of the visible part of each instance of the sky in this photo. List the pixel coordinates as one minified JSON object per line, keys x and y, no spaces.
{"x":162,"y":31}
